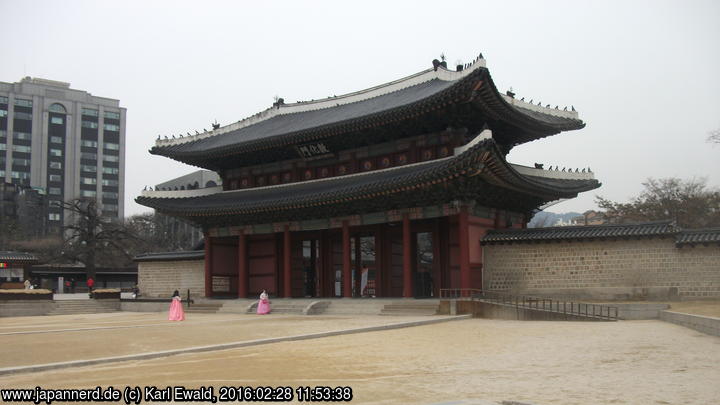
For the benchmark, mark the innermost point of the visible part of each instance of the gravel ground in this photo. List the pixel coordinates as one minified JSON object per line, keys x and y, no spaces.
{"x":628,"y":362}
{"x":53,"y":339}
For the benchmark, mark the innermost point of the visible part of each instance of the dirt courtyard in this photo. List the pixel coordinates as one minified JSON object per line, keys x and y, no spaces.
{"x":627,"y":362}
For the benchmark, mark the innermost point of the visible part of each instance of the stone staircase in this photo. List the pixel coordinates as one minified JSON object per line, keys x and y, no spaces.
{"x":204,"y":307}
{"x":319,"y":306}
{"x":411,"y":308}
{"x":71,"y":307}
{"x":355,"y":306}
{"x":285,"y":307}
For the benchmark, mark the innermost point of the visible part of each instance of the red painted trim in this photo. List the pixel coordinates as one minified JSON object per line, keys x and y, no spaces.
{"x":208,"y":266}
{"x":463,"y":236}
{"x":346,"y":276}
{"x":407,"y":266}
{"x":486,"y":222}
{"x":242,"y":266}
{"x":287,"y":273}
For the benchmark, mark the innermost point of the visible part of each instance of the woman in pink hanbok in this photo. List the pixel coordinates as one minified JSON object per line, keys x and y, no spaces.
{"x":263,"y":304}
{"x":176,"y":310}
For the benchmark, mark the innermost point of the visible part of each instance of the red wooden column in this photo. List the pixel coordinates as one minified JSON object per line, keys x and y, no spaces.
{"x":407,"y":268}
{"x":287,"y":288}
{"x":463,"y":236}
{"x":208,"y":265}
{"x":346,"y":275}
{"x":242,"y":266}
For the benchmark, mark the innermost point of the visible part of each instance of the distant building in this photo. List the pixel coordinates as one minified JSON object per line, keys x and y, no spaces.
{"x":23,"y":213}
{"x":183,"y":234}
{"x":65,"y":142}
{"x":591,"y":218}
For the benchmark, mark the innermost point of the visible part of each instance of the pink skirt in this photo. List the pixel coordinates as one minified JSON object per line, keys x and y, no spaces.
{"x":263,"y":307}
{"x":176,"y":311}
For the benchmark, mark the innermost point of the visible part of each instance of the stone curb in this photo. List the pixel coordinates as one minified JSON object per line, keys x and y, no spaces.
{"x":705,"y":324}
{"x":223,"y":346}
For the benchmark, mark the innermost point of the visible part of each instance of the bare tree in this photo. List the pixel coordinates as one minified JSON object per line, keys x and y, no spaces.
{"x":690,"y":203}
{"x":91,"y":238}
{"x":714,"y":136}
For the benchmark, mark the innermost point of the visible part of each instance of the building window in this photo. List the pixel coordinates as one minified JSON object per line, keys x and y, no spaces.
{"x":2,"y":173}
{"x":88,"y":168}
{"x":110,"y":195}
{"x":111,"y":127}
{"x":19,"y":115}
{"x":20,"y":175}
{"x":56,"y":152}
{"x":112,"y":183}
{"x":24,"y":136}
{"x":21,"y":162}
{"x":89,"y":124}
{"x":3,"y":146}
{"x":91,"y":156}
{"x":3,"y":113}
{"x":54,"y":216}
{"x":88,"y":180}
{"x":89,"y":144}
{"x":55,"y":177}
{"x":88,"y":193}
{"x":3,"y":100}
{"x":90,"y":112}
{"x":112,"y":115}
{"x":57,"y":108}
{"x":23,"y":103}
{"x":56,"y":165}
{"x":54,"y":191}
{"x":111,"y":158}
{"x":110,"y":207}
{"x":21,"y":148}
{"x":111,"y":146}
{"x":56,"y":139}
{"x":3,"y":133}
{"x":110,"y":170}
{"x":57,"y":120}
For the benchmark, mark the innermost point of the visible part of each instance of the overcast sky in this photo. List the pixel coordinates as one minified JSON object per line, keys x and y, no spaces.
{"x":644,"y":75}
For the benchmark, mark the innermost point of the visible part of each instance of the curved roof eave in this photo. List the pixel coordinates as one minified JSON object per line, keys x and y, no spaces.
{"x":306,"y":121}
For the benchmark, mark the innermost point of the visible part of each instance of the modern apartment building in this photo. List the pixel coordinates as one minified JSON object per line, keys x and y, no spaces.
{"x":64,"y":142}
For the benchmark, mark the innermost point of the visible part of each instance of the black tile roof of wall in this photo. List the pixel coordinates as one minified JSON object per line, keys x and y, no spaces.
{"x":18,"y":257}
{"x":651,"y":229}
{"x":698,"y":236}
{"x":623,"y":231}
{"x":170,"y":256}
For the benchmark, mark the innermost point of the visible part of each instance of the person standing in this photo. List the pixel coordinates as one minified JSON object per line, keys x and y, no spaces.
{"x":176,"y":310}
{"x":264,"y":304}
{"x":27,"y":284}
{"x":90,"y":284}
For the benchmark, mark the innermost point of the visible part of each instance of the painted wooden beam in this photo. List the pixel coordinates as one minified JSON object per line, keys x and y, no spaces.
{"x":208,"y":265}
{"x":407,"y":266}
{"x":463,"y":236}
{"x":346,"y":274}
{"x":287,"y":274}
{"x":242,"y":266}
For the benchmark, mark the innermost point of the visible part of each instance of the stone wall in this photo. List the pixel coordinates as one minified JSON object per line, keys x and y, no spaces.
{"x":161,"y":278}
{"x":704,"y":324}
{"x":649,"y":268}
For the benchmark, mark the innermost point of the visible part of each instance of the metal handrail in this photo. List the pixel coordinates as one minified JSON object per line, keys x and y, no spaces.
{"x":537,"y":303}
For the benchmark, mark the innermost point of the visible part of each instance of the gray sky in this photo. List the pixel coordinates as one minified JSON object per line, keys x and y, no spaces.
{"x":644,"y":75}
